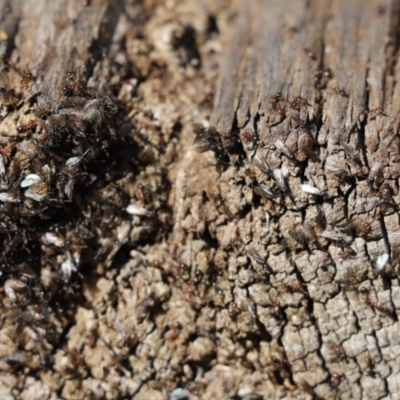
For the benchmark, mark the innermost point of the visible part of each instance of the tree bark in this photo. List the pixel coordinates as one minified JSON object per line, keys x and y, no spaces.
{"x":256,"y":258}
{"x":339,"y":57}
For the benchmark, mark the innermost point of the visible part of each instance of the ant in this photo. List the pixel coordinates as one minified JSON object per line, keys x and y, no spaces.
{"x":321,"y":76}
{"x":250,"y":139}
{"x":156,"y":263}
{"x":198,"y":276}
{"x":91,"y":339}
{"x":346,"y":253}
{"x":369,"y":366}
{"x":310,"y":53}
{"x":118,"y":296}
{"x":229,"y":140}
{"x":275,"y":98}
{"x":141,"y":193}
{"x":384,"y":192}
{"x":298,"y":102}
{"x":339,"y":352}
{"x":326,"y":258}
{"x":340,"y":92}
{"x":282,"y":365}
{"x":8,"y":97}
{"x":374,"y":112}
{"x":335,"y":379}
{"x":257,"y":257}
{"x":295,"y":287}
{"x":210,"y":140}
{"x":275,"y":101}
{"x":26,"y":127}
{"x":77,"y":88}
{"x":373,"y":304}
{"x":43,"y":112}
{"x":236,"y":240}
{"x":283,"y":361}
{"x":61,"y":24}
{"x":26,"y":75}
{"x":173,"y":333}
{"x":234,"y":310}
{"x":366,"y":228}
{"x":8,"y":148}
{"x":276,"y":311}
{"x":279,"y":110}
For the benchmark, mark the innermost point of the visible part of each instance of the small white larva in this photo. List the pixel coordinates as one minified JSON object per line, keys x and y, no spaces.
{"x":309,"y":189}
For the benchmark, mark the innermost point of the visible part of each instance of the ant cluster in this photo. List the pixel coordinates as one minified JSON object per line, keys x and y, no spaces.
{"x":220,"y":144}
{"x":64,"y":196}
{"x":281,"y":105}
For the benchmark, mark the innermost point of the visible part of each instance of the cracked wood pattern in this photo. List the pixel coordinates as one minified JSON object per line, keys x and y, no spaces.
{"x":341,"y":57}
{"x":243,"y":284}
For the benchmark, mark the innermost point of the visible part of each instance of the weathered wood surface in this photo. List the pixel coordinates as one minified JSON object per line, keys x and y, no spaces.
{"x":285,"y":47}
{"x":211,"y":292}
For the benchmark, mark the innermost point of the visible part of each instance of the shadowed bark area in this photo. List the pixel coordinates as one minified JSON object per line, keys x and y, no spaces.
{"x":199,"y":195}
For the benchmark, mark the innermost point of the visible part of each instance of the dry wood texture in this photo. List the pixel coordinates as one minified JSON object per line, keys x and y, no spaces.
{"x":135,"y":261}
{"x":310,"y":88}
